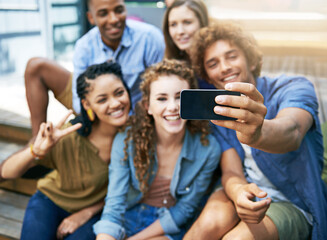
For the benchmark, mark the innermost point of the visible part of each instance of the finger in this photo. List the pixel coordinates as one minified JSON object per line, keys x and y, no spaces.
{"x":247,"y":89}
{"x":234,"y":125}
{"x":48,"y":130}
{"x":243,"y":102}
{"x":40,"y":133}
{"x":59,"y":234}
{"x":64,"y":119}
{"x":70,"y":129}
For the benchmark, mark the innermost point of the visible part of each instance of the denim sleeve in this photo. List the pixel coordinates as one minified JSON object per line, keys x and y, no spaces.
{"x":111,"y":221}
{"x":189,"y":201}
{"x":81,"y":60}
{"x":299,"y":93}
{"x":155,"y":47}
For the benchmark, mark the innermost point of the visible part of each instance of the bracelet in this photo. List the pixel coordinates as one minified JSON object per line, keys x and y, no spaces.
{"x":37,"y":157}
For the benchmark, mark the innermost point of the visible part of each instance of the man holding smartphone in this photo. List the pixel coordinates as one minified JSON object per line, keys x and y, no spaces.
{"x":277,"y":135}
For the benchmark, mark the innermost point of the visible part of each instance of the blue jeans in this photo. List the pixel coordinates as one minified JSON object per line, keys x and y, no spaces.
{"x":141,"y":216}
{"x":43,"y":217}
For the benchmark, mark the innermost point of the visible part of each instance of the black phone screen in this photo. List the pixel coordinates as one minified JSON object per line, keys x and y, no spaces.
{"x":197,"y":104}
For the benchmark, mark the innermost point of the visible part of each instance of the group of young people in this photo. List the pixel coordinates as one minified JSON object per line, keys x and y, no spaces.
{"x":128,"y":166}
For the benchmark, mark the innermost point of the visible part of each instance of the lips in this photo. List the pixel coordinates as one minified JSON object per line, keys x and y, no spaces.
{"x":183,"y":40}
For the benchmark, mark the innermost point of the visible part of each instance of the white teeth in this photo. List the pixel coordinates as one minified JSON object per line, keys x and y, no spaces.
{"x":172,"y":118}
{"x":116,"y":113}
{"x":230,"y":78}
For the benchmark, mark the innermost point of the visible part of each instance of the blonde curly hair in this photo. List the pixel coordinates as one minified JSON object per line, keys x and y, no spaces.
{"x":142,"y":129}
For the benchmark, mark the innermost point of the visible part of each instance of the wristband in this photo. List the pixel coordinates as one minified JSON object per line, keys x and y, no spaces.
{"x":37,"y":157}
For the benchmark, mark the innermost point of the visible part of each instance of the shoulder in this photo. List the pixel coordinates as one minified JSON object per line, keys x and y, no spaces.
{"x":91,"y":37}
{"x":282,"y":83}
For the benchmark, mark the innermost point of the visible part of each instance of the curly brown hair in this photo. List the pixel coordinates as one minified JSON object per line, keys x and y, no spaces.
{"x":142,"y":128}
{"x":201,"y":12}
{"x":228,"y":31}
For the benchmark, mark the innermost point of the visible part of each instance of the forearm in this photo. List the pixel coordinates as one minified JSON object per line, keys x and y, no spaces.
{"x":154,"y":230}
{"x":17,"y":164}
{"x":103,"y":236}
{"x":232,"y":173}
{"x":285,"y":132}
{"x":88,"y":212}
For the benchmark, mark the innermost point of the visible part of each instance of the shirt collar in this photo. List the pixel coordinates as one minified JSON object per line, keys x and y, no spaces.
{"x":125,"y":42}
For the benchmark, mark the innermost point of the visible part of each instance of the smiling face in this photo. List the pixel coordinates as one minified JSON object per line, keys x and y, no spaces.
{"x":109,"y":100}
{"x":164,"y":104}
{"x":225,"y":63}
{"x":183,"y":23}
{"x":110,"y":17}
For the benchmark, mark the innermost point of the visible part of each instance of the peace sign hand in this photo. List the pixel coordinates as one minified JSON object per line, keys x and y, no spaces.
{"x":49,"y":135}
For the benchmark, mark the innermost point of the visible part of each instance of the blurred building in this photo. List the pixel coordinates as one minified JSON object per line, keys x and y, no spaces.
{"x":50,"y":28}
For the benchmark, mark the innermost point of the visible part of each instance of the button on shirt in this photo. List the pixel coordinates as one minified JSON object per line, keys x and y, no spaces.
{"x":141,"y":46}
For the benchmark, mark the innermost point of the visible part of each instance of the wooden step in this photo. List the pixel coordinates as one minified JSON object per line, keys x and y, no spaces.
{"x":12,"y":210}
{"x":14,"y":127}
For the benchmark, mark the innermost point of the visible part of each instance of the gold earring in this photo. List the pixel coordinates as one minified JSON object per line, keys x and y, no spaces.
{"x":90,"y":114}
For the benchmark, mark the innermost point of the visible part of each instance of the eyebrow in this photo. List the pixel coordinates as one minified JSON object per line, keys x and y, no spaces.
{"x":101,"y":95}
{"x":226,"y":53}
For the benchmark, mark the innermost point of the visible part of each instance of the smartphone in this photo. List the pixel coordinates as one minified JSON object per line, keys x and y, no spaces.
{"x":198,"y":104}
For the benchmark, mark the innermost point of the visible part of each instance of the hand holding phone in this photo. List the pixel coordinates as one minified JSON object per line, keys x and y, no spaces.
{"x":198,"y":104}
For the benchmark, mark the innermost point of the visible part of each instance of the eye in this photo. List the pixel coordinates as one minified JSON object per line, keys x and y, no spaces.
{"x":102,"y":100}
{"x":212,"y":65}
{"x":120,"y":10}
{"x":232,"y":55}
{"x":161,"y":99}
{"x":120,"y":92}
{"x":102,"y":13}
{"x":188,"y":22}
{"x":172,"y":24}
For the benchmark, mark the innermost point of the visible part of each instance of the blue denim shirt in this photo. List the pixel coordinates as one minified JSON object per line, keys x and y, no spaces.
{"x":296,"y":174}
{"x":141,"y":46}
{"x":191,"y":178}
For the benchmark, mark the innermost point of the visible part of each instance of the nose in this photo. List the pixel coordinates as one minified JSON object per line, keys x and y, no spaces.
{"x":180,"y":28}
{"x":173,"y":105}
{"x":114,"y":103}
{"x":225,"y":66}
{"x":112,"y":18}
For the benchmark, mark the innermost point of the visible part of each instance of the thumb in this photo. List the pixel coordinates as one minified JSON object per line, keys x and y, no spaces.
{"x":256,"y":191}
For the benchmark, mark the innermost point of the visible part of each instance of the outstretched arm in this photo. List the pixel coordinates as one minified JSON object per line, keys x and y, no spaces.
{"x":18,"y":163}
{"x":282,"y":134}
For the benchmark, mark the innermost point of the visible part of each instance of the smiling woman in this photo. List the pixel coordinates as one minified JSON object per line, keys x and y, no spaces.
{"x":69,"y":199}
{"x":182,"y":19}
{"x":159,"y":179}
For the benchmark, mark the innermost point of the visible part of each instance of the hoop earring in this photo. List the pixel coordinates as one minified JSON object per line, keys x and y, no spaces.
{"x":90,"y":114}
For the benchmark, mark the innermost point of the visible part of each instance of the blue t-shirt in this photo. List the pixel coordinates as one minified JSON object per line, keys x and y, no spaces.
{"x":296,"y":174}
{"x":141,"y":46}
